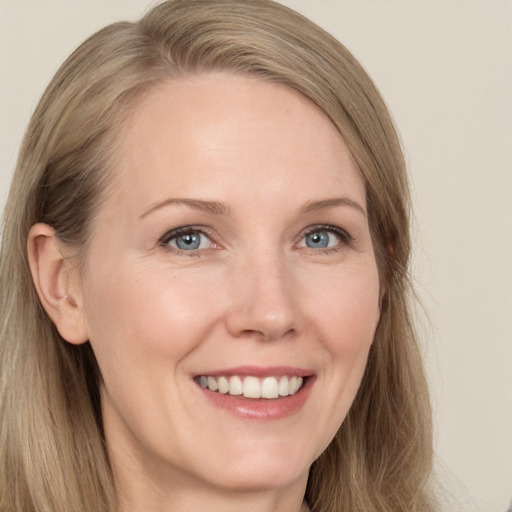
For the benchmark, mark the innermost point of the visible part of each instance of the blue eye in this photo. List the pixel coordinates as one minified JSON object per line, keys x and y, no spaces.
{"x":323,"y":238}
{"x":318,"y":240}
{"x":188,"y":240}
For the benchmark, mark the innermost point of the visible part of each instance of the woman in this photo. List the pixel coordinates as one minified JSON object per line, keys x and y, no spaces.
{"x":213,"y":306}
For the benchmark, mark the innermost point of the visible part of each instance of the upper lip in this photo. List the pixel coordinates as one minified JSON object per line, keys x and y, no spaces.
{"x":259,"y":371}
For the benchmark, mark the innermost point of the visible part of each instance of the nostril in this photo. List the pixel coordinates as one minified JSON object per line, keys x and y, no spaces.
{"x":267,"y":334}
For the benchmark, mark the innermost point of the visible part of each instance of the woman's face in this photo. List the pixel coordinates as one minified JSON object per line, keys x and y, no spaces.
{"x":233,"y":253}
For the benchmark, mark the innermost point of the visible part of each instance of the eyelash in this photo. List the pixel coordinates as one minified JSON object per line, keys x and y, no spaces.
{"x":186,"y":230}
{"x":345,"y":238}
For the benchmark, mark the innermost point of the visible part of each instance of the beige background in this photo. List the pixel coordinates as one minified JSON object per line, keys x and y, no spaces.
{"x":445,"y":69}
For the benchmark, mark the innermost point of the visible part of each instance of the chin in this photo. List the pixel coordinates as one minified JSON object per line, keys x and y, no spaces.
{"x":260,"y":470}
{"x":266,"y":479}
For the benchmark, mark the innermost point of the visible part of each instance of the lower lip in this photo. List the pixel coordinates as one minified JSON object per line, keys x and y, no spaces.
{"x":261,"y":408}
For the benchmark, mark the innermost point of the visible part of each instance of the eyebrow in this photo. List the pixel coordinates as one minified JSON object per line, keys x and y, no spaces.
{"x":316,"y":206}
{"x":214,"y":207}
{"x":218,"y":208}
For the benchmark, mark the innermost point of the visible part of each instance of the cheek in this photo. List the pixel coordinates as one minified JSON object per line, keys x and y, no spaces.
{"x":347,"y":309}
{"x":143,"y":323}
{"x":346,"y":317}
{"x":135,"y":313}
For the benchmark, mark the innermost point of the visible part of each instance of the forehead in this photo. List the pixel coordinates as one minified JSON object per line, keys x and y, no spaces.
{"x":206,"y":133}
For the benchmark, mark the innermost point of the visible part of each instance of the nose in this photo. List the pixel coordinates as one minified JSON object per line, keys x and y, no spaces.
{"x":262,"y":303}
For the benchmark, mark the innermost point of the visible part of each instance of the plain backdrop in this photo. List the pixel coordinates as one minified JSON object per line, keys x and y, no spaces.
{"x":445,"y":70}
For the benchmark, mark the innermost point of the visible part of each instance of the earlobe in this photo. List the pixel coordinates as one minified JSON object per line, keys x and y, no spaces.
{"x":57,"y":283}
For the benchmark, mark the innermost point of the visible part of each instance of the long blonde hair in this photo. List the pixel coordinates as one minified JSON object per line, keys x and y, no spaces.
{"x":52,"y":450}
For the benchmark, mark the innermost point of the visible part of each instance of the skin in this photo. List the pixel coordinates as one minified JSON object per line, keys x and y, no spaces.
{"x":254,"y":293}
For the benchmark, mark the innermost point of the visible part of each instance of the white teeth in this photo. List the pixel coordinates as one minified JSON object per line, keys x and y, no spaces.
{"x":293,"y":385}
{"x":253,"y":387}
{"x":235,"y":386}
{"x":223,"y":385}
{"x":269,"y":388}
{"x":212,"y":384}
{"x":284,"y":387}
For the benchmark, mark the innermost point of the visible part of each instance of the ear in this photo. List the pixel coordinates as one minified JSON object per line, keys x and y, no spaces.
{"x":57,"y":282}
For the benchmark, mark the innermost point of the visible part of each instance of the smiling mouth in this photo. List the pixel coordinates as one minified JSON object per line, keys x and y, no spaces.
{"x":251,"y":386}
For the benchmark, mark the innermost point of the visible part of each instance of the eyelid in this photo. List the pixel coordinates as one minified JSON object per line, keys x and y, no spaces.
{"x":327,"y":227}
{"x":343,"y":234}
{"x":183,"y":230}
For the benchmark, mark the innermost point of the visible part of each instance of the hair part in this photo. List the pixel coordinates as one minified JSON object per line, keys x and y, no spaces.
{"x":52,"y":449}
